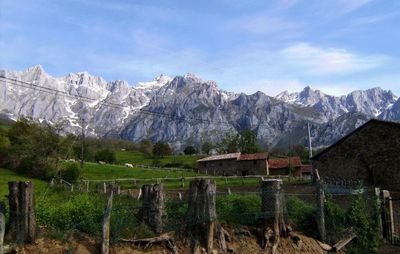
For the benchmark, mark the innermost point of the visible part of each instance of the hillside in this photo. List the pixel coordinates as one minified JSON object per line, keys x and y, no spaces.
{"x":185,"y":109}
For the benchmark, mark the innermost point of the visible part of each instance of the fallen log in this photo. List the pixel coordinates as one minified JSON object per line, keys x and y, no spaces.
{"x":324,"y":246}
{"x":342,"y":243}
{"x":164,"y":238}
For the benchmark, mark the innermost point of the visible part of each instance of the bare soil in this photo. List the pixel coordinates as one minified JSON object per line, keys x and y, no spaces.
{"x":243,"y":240}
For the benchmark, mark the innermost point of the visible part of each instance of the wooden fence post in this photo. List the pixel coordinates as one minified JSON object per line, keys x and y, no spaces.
{"x":201,"y":215}
{"x":182,"y":182}
{"x":105,"y":244}
{"x":2,"y":227}
{"x":22,"y":212}
{"x":153,"y":208}
{"x":320,"y":198}
{"x":321,"y":210}
{"x":104,"y":188}
{"x":272,"y":203}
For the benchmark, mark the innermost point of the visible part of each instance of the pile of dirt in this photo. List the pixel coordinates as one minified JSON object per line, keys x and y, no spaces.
{"x":241,"y":240}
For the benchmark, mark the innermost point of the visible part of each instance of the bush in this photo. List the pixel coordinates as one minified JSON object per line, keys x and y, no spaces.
{"x":366,"y":227}
{"x":105,"y":155}
{"x":161,"y":149}
{"x":189,"y":150}
{"x":302,"y":215}
{"x":238,"y":209}
{"x":71,"y":173}
{"x":36,"y":168}
{"x":66,"y":212}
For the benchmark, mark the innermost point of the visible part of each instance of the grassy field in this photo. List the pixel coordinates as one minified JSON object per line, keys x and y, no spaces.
{"x":7,"y":175}
{"x":138,"y":158}
{"x":4,"y":127}
{"x":98,"y":172}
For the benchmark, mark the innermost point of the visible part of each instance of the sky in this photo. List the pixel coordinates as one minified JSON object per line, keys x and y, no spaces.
{"x":245,"y":46}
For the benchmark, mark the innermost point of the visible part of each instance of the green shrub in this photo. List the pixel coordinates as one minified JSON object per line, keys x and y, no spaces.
{"x":239,"y":209}
{"x":36,"y":168}
{"x":302,"y":215}
{"x":176,"y":214}
{"x":71,"y":172}
{"x":63,"y":211}
{"x":105,"y":155}
{"x":365,"y":226}
{"x":335,"y":217}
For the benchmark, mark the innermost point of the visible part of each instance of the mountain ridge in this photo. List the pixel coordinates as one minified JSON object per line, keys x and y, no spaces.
{"x":187,"y":97}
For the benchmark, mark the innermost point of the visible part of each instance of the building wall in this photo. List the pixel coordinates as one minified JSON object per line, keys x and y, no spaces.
{"x":253,"y":167}
{"x":218,"y":167}
{"x":371,"y":154}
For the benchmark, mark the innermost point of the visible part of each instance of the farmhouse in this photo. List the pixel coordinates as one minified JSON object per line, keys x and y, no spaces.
{"x":370,"y":153}
{"x":235,"y":164}
{"x":283,"y":166}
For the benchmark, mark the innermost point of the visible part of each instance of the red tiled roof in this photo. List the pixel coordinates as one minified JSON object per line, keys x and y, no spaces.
{"x":253,"y":156}
{"x":227,"y":156}
{"x":306,"y":168}
{"x":284,"y":162}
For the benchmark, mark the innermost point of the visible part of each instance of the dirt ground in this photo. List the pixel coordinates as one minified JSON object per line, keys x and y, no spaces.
{"x":243,"y":240}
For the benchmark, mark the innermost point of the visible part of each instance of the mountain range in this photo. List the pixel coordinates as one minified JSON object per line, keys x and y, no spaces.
{"x":187,"y":109}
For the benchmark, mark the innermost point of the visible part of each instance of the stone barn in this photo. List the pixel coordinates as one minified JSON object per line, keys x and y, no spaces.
{"x":281,"y":166}
{"x":370,"y":153}
{"x":235,"y":164}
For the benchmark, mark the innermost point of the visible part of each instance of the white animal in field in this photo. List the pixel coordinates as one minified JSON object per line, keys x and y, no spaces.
{"x":102,"y":163}
{"x":128,"y":165}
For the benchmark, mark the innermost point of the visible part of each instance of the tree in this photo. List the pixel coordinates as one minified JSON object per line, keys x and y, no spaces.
{"x":189,"y":150}
{"x":105,"y":155}
{"x":247,"y":141}
{"x":146,"y":146}
{"x":206,"y":147}
{"x":229,"y":144}
{"x":244,"y":142}
{"x":161,"y":149}
{"x":32,"y":148}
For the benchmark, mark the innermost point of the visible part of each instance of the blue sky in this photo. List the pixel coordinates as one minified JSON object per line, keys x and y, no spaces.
{"x":244,"y":45}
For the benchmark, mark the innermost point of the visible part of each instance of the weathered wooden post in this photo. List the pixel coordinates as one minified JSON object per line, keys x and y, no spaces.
{"x":22,"y":212}
{"x":105,"y":244}
{"x":153,"y":208}
{"x":320,"y":198}
{"x":201,"y":215}
{"x":272,"y":203}
{"x":104,"y":188}
{"x":2,"y":227}
{"x":182,"y":182}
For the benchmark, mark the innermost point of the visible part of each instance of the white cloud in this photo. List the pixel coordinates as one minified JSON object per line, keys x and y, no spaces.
{"x":323,"y":61}
{"x":263,"y":24}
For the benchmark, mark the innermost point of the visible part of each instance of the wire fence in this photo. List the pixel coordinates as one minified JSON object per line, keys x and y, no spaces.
{"x":60,"y":212}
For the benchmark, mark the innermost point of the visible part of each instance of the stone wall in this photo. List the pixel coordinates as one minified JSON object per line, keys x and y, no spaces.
{"x":372,"y":154}
{"x":219,"y":167}
{"x":253,"y":167}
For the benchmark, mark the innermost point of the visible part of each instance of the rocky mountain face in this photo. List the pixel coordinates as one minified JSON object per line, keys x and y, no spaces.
{"x":186,"y":109}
